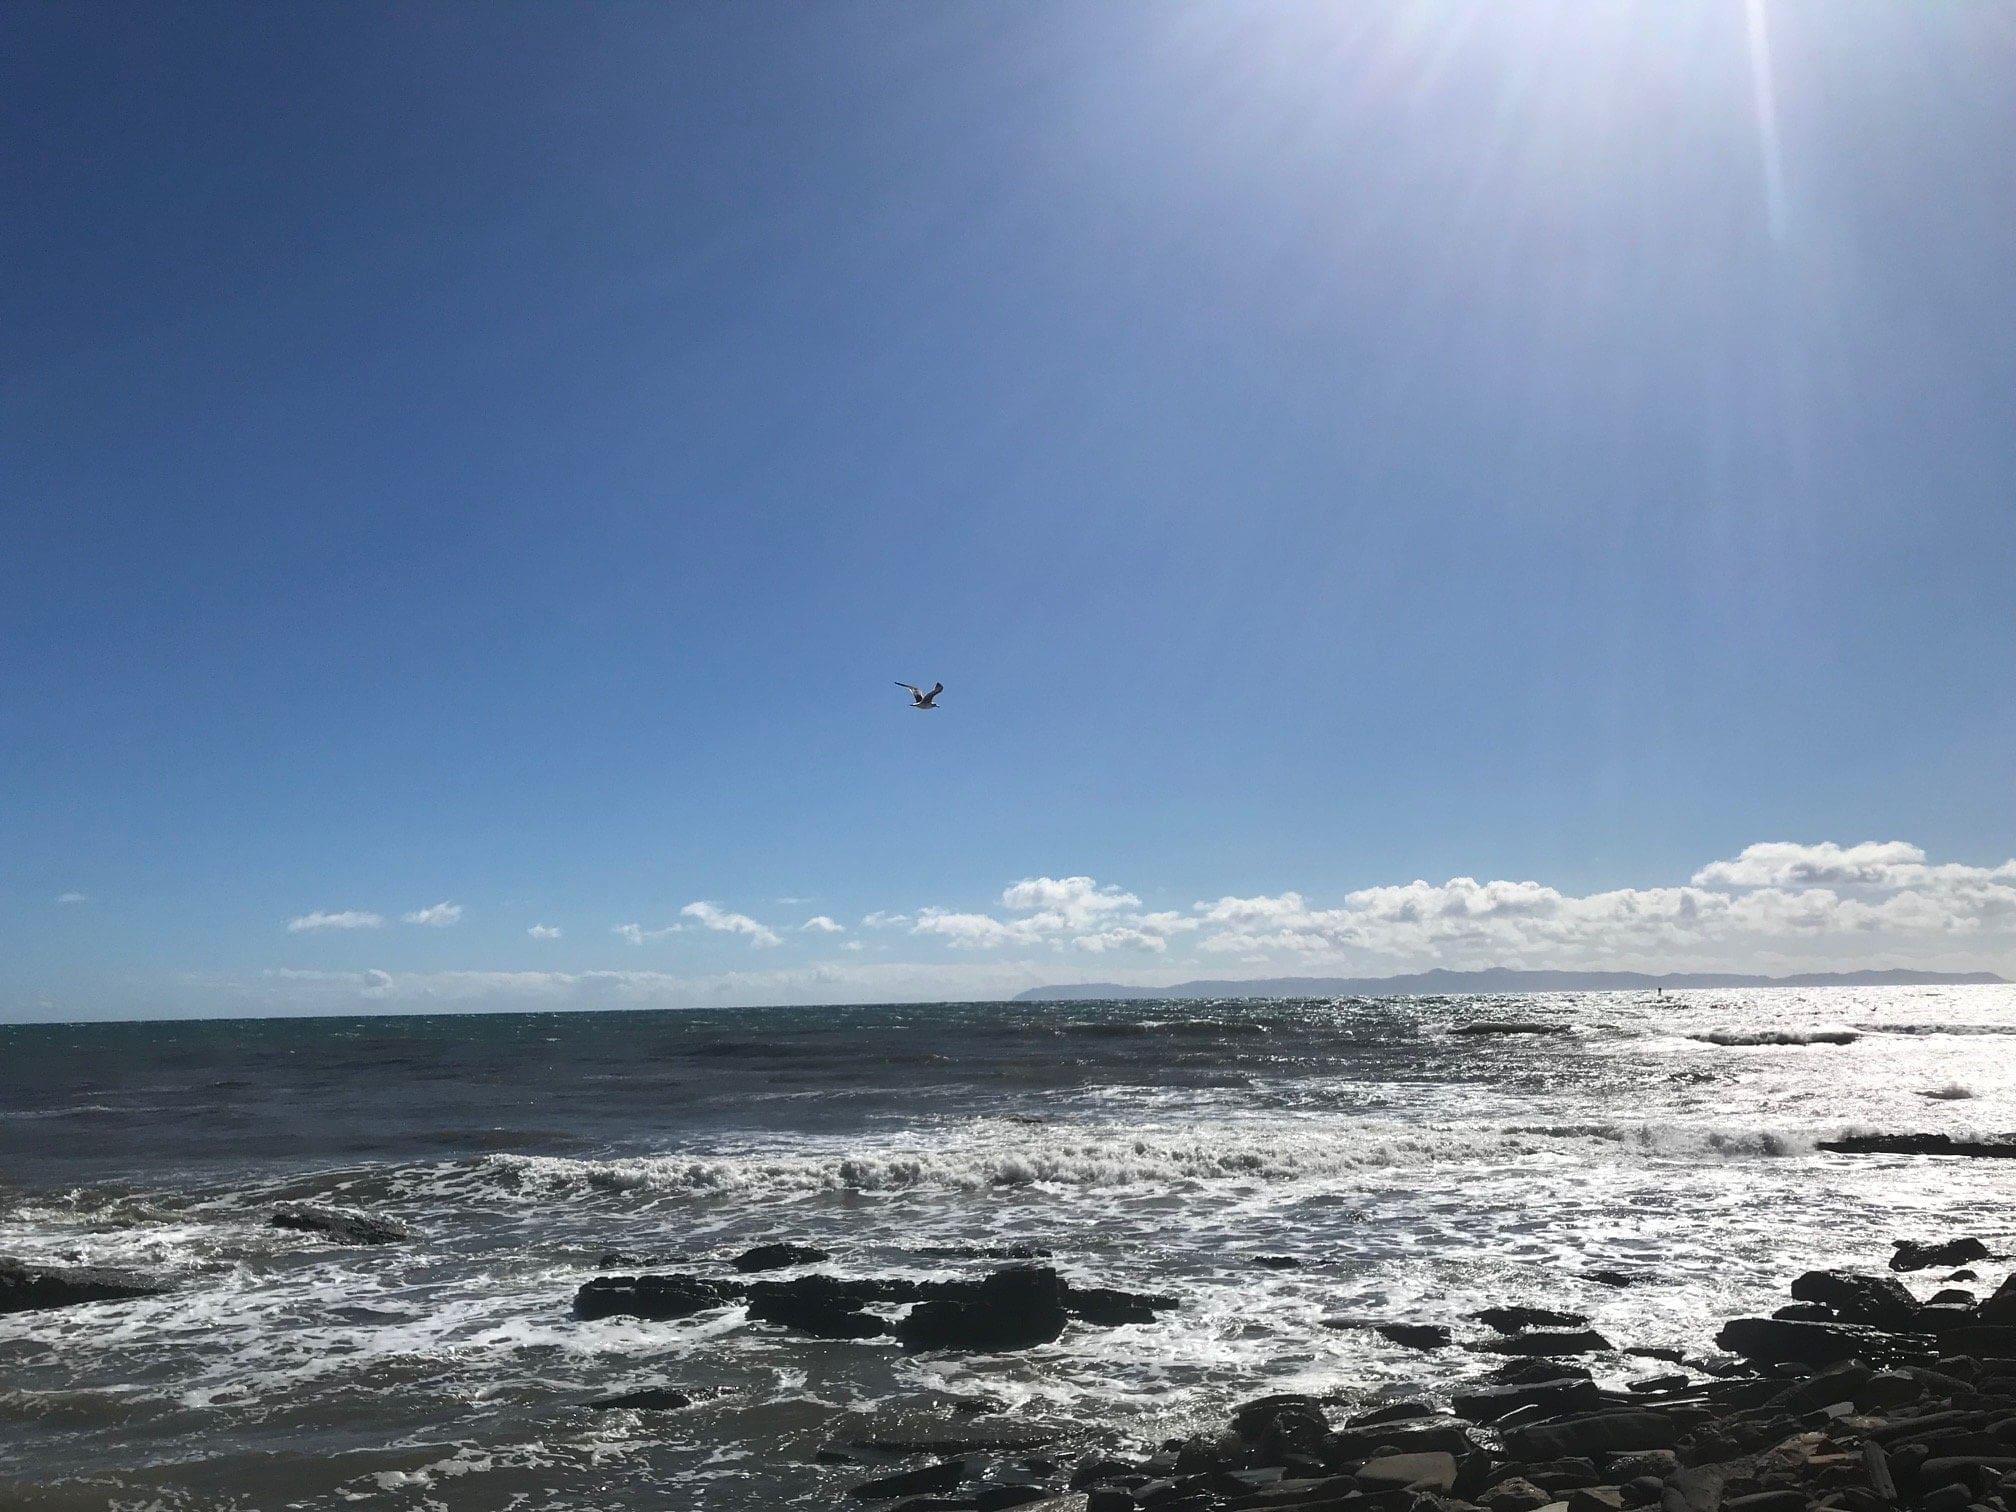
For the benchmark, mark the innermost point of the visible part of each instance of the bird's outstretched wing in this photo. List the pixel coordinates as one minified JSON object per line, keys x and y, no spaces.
{"x":907,"y":685}
{"x":936,"y":689}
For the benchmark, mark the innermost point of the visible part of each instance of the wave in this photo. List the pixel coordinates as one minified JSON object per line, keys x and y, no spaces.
{"x":1778,"y":1036}
{"x":1951,"y":1092}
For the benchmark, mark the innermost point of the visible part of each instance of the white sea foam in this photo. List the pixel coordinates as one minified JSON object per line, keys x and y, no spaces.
{"x":1778,"y":1036}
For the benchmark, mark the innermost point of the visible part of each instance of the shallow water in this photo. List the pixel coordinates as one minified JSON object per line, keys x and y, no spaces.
{"x":1419,"y":1175}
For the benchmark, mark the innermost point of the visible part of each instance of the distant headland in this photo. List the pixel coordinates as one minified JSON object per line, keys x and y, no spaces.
{"x":1501,"y":979}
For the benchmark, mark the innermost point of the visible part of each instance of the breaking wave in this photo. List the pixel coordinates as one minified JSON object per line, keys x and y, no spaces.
{"x":1778,"y":1036}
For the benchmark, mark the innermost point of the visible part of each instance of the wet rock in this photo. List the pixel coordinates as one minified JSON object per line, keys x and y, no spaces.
{"x":1515,"y":1494}
{"x":1412,"y":1436}
{"x":1613,"y":1278}
{"x":1012,"y":1309}
{"x":1958,"y":1296}
{"x":652,"y":1297}
{"x":26,"y":1287}
{"x":1595,"y":1433}
{"x":343,"y":1225}
{"x":1879,"y":1301}
{"x":1277,"y":1262}
{"x":1774,"y":1339}
{"x":1983,"y":1341}
{"x":1416,"y":1335}
{"x":1805,"y":1312}
{"x":651,"y":1399}
{"x":940,"y":1477}
{"x":1282,"y":1426}
{"x":1596,"y":1499}
{"x":1549,"y":1342}
{"x":1555,"y":1397}
{"x":2000,"y":1305}
{"x":777,"y":1256}
{"x":1837,"y":1384}
{"x":1920,"y":1144}
{"x":1912,"y":1255}
{"x":1515,"y":1319}
{"x":1392,"y":1412}
{"x":984,"y":1252}
{"x":1108,"y":1307}
{"x":820,"y":1306}
{"x":993,"y":1498}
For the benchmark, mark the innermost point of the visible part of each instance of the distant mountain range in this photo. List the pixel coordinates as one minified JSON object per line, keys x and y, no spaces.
{"x":1500,"y":979}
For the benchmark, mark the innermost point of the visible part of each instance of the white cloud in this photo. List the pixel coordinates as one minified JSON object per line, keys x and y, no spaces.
{"x":637,"y":934}
{"x":544,"y":931}
{"x":820,"y":924}
{"x":436,"y":916}
{"x":714,"y":918}
{"x":884,"y":920}
{"x":1074,"y":902}
{"x":1780,"y":863}
{"x":71,"y":897}
{"x":349,"y":919}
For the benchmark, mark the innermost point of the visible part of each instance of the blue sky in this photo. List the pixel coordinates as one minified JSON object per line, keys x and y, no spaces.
{"x":504,"y":456}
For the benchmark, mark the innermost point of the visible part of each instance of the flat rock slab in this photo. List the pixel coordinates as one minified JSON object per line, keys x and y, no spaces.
{"x":1433,"y":1471}
{"x":26,"y":1287}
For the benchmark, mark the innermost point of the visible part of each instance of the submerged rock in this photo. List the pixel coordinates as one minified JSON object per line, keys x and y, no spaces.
{"x":651,"y":1399}
{"x":1546,"y":1342}
{"x":1510,"y":1026}
{"x":821,"y":1306}
{"x":1415,"y":1335}
{"x":26,"y":1286}
{"x":344,"y":1225}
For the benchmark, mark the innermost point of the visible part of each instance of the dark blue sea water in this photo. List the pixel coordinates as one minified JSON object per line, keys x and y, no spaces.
{"x":1418,"y":1174}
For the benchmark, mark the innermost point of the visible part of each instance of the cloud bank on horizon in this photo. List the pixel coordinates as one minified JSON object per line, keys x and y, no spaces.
{"x":1776,"y":906}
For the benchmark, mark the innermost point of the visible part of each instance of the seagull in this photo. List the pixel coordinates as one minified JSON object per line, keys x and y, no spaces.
{"x":919,"y":699}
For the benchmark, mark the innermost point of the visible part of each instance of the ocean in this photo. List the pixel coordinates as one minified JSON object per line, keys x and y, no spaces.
{"x":1411,"y":1173}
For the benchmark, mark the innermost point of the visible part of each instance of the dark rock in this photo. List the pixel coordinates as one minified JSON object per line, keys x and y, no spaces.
{"x":2000,"y":1306}
{"x":1767,"y":1501}
{"x":1277,"y":1262}
{"x":1887,"y":1389}
{"x":1514,"y":1319}
{"x":992,"y":1498}
{"x":1919,"y":1144}
{"x":1879,"y":1301}
{"x":822,"y":1306}
{"x":984,"y":1252}
{"x":1912,"y":1255}
{"x":1282,"y":1427}
{"x":1545,"y":1342}
{"x":1597,"y":1499}
{"x":1108,"y":1307}
{"x":344,"y":1225}
{"x":1774,"y":1339}
{"x":978,"y":1405}
{"x":1959,"y":1296}
{"x":1413,"y":1436}
{"x":25,"y":1287}
{"x":651,"y":1399}
{"x":1392,"y":1412}
{"x":1646,"y":1385}
{"x":777,"y":1256}
{"x":1613,"y":1277}
{"x":653,"y":1297}
{"x":1983,"y":1341}
{"x":1805,"y":1312}
{"x":1011,"y":1309}
{"x":942,"y":1477}
{"x":1597,"y":1433}
{"x":1945,"y":1469}
{"x":1837,"y":1384}
{"x":1416,"y":1335}
{"x":1528,"y":1371}
{"x":1559,"y":1396}
{"x":1657,"y":1463}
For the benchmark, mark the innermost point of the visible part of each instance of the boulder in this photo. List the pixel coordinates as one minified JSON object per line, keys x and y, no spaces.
{"x":1785,"y":1339}
{"x":344,"y":1225}
{"x":1594,"y":1433}
{"x":1515,"y":1319}
{"x":1410,"y":1436}
{"x":1913,"y":1255}
{"x":653,"y":1297}
{"x":26,"y":1286}
{"x":1516,"y":1494}
{"x":777,"y":1256}
{"x":1277,"y":1262}
{"x":1433,"y":1471}
{"x":2000,"y":1305}
{"x":1011,"y":1309}
{"x":1985,"y":1341}
{"x":1879,"y":1301}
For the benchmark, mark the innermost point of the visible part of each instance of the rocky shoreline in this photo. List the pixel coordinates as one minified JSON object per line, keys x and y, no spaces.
{"x":1857,"y":1395}
{"x":1854,"y":1397}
